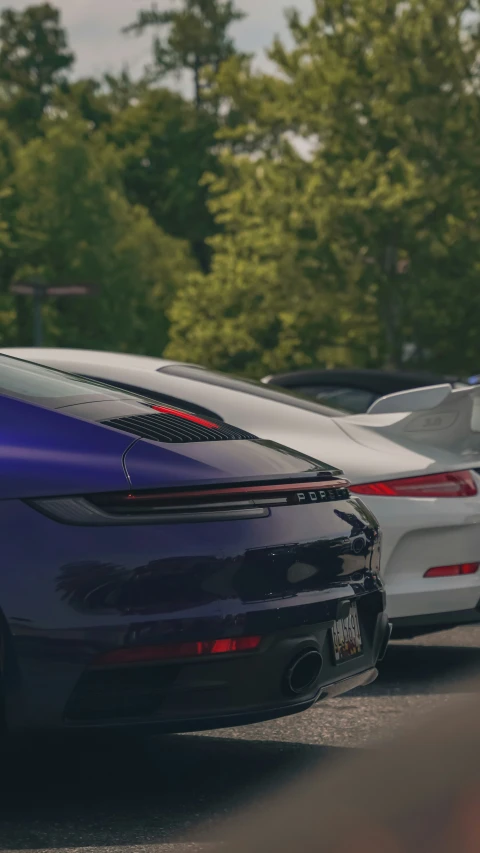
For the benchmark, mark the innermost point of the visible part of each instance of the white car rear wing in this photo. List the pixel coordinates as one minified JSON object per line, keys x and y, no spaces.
{"x":439,"y":415}
{"x":414,"y":400}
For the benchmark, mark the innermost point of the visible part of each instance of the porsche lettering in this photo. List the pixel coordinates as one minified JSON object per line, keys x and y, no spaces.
{"x":321,"y":495}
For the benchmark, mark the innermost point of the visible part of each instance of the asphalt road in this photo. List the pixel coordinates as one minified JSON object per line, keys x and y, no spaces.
{"x":118,"y":795}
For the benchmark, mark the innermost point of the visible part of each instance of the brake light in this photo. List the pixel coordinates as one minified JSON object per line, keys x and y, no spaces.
{"x":149,"y":654}
{"x":453,"y":484}
{"x":248,"y":492}
{"x":167,"y":410}
{"x":190,"y":505}
{"x":452,"y":571}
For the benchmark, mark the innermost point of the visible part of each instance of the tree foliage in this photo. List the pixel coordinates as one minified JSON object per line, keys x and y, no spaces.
{"x":354,"y":230}
{"x":8,"y":146}
{"x":192,"y":37}
{"x":34,"y":58}
{"x":272,"y":300}
{"x":74,"y":224}
{"x":71,"y":206}
{"x":170,"y":142}
{"x":166,"y":147}
{"x":328,"y":211}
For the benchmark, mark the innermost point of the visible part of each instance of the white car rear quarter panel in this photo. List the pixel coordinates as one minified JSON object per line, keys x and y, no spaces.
{"x":422,"y":533}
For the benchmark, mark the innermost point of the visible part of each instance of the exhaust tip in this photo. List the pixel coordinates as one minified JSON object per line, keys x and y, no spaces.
{"x":303,"y":672}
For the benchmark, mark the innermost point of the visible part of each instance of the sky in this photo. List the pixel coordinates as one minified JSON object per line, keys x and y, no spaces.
{"x":94,"y":30}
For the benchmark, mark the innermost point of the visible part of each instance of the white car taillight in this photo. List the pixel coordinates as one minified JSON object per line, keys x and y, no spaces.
{"x":452,"y":484}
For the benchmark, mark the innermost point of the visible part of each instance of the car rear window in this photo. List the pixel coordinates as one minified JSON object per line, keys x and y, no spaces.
{"x":249,"y":386}
{"x":354,"y":400}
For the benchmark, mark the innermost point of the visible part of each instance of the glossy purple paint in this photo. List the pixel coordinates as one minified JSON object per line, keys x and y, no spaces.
{"x":70,"y":593}
{"x":152,"y":465}
{"x":84,"y":591}
{"x":44,"y":452}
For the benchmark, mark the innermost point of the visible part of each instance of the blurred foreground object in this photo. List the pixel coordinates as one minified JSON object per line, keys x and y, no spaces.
{"x":418,"y":793}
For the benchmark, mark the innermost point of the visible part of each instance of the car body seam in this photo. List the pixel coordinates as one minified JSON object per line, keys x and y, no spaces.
{"x":124,"y":459}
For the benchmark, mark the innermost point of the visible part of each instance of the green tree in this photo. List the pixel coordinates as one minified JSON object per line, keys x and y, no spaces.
{"x":7,"y":154}
{"x":98,"y":101}
{"x":34,"y":58}
{"x":74,"y":223}
{"x":8,"y":145}
{"x":166,"y":147}
{"x":193,"y":37}
{"x":371,"y":125}
{"x":169,"y":143}
{"x":272,"y":300}
{"x":85,"y":97}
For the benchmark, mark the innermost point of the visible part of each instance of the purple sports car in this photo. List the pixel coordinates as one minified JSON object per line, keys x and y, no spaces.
{"x":163,"y":570}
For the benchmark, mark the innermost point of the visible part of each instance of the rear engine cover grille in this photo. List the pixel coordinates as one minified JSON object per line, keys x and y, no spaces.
{"x":174,"y":430}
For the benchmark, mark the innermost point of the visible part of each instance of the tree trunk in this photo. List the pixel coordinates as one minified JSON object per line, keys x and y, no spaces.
{"x":196,"y":83}
{"x":203,"y":254}
{"x":391,"y":310}
{"x":23,"y":311}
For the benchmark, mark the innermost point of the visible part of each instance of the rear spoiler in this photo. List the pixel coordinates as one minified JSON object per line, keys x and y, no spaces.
{"x":438,"y":415}
{"x":414,"y":400}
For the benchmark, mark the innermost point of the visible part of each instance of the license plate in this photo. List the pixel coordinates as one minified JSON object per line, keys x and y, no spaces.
{"x":347,"y":637}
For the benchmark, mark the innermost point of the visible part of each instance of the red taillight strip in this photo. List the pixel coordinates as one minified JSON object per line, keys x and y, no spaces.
{"x":452,"y":571}
{"x":148,"y":654}
{"x":243,"y":490}
{"x":451,"y":484}
{"x":167,"y":410}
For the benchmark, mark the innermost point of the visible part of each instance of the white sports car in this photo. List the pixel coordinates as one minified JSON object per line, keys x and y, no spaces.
{"x":414,"y":459}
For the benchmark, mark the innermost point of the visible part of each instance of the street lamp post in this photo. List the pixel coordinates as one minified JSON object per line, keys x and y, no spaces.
{"x":37,"y":313}
{"x":39,"y":289}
